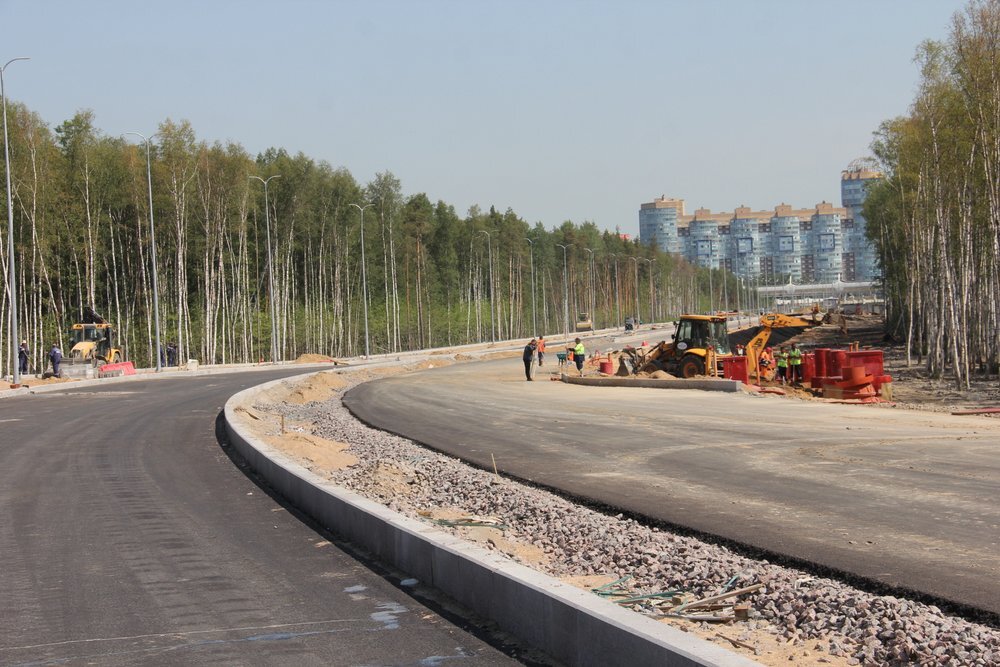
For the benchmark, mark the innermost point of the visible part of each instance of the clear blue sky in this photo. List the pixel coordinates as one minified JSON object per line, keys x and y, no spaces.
{"x":560,"y":110}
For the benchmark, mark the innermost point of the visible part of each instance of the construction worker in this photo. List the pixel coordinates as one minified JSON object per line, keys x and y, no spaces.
{"x":782,"y":362}
{"x":766,"y":363}
{"x":528,"y":356}
{"x":55,"y":356}
{"x":795,"y":364}
{"x":579,"y":355}
{"x":22,"y":357}
{"x":541,"y":349}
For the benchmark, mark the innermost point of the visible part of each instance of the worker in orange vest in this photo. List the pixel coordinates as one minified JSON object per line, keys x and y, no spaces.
{"x":541,"y":349}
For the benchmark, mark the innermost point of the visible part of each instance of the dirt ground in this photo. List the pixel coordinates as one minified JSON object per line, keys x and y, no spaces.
{"x":32,"y":381}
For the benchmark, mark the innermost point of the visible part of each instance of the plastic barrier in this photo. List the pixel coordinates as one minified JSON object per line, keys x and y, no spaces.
{"x":113,"y":370}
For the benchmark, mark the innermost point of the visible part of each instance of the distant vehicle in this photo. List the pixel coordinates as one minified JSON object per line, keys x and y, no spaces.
{"x":584,"y":323}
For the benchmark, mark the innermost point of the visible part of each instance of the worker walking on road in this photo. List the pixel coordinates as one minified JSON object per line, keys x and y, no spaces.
{"x":528,"y":357}
{"x":541,"y":350}
{"x":579,"y":355}
{"x":795,"y":364}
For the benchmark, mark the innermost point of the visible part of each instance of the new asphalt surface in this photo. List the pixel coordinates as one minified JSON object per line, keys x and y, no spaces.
{"x":129,"y":536}
{"x":897,"y":497}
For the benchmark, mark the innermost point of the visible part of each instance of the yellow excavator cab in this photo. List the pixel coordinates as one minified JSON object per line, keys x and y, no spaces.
{"x":93,"y":343}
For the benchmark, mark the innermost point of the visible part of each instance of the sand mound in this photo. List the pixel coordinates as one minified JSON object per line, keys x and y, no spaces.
{"x":313,"y":359}
{"x":661,"y":375}
{"x":315,"y":388}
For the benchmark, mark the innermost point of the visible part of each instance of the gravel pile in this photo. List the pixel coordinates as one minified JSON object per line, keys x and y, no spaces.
{"x":828,"y":615}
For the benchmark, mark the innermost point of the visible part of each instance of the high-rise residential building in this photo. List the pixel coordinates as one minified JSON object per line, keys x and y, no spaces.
{"x":823,"y":244}
{"x":860,"y":262}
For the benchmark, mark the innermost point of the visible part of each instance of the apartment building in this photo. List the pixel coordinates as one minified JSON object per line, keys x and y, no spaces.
{"x":822,"y":244}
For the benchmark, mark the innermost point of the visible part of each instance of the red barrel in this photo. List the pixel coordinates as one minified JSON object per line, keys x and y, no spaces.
{"x":821,"y":356}
{"x":808,"y":366}
{"x":607,"y":367}
{"x":735,"y":368}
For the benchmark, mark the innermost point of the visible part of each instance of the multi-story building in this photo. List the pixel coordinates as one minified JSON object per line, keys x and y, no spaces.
{"x":823,"y":244}
{"x":859,"y":253}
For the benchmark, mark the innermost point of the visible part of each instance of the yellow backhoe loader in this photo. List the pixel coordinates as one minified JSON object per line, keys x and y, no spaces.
{"x":698,"y":343}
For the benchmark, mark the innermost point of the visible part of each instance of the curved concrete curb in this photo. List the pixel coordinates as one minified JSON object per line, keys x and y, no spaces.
{"x":650,"y":383}
{"x":569,"y":624}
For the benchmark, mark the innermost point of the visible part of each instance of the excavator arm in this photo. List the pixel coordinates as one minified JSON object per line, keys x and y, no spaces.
{"x":768,"y":323}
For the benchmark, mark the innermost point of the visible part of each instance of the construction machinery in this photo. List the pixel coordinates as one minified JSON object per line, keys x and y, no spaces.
{"x":584,"y":323}
{"x":92,"y":344}
{"x":772,"y":326}
{"x":696,"y":348}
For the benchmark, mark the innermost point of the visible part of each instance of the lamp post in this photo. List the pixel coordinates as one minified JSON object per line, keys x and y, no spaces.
{"x":364,"y":274}
{"x":152,"y":243}
{"x":15,"y":362}
{"x":636,"y":261}
{"x":489,"y":250}
{"x":591,"y":302}
{"x":531,"y":258}
{"x":652,"y":316}
{"x":618,"y":297}
{"x":270,"y":269}
{"x":565,"y":292}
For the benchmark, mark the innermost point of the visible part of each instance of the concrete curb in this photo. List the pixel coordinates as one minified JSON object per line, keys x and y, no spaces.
{"x":650,"y":383}
{"x":569,"y":624}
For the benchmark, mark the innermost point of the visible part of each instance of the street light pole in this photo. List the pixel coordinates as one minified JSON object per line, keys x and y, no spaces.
{"x":618,"y":296}
{"x":14,"y":360}
{"x":652,"y":315}
{"x":270,"y":269}
{"x":565,"y":292}
{"x":489,"y":249}
{"x":531,"y":257}
{"x":591,"y":301}
{"x":636,"y":261}
{"x":152,"y":243}
{"x":364,"y":274}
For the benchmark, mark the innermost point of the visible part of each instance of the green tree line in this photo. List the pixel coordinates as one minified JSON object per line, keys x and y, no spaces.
{"x":434,"y":278}
{"x":935,"y":218}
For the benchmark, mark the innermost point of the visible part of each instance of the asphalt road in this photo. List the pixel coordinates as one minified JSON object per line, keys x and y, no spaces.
{"x":130,"y":537}
{"x":900,"y":497}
